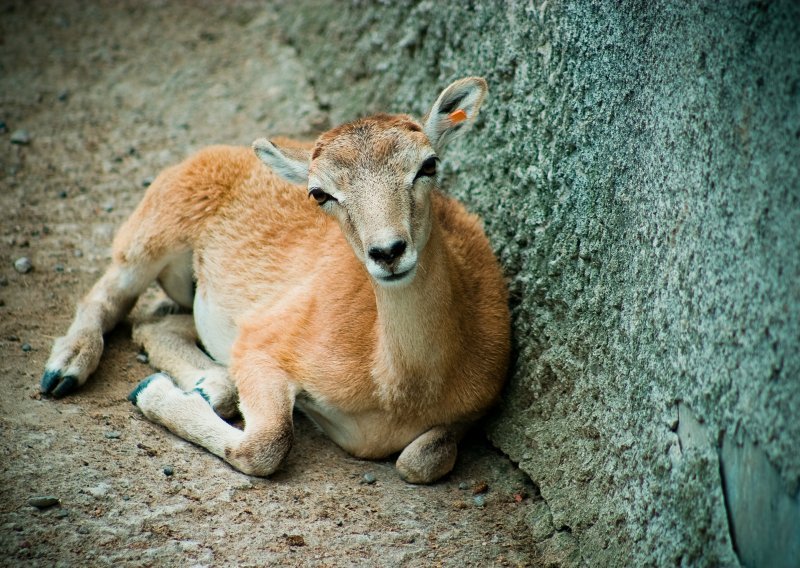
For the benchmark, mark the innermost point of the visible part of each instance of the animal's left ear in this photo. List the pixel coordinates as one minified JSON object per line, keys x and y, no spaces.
{"x":454,"y":111}
{"x":287,"y":160}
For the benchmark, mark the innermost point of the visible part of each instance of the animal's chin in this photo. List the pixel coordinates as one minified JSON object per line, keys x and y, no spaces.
{"x":398,"y":279}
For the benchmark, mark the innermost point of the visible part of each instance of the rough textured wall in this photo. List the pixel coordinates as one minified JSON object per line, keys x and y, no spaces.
{"x":637,"y":168}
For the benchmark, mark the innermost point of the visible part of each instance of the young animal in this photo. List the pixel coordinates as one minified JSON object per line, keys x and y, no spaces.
{"x":376,"y":306}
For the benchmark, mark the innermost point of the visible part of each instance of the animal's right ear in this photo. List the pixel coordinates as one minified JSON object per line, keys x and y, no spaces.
{"x":291,"y":163}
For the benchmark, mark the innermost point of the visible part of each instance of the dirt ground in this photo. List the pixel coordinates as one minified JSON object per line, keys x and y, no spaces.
{"x":110,"y":93}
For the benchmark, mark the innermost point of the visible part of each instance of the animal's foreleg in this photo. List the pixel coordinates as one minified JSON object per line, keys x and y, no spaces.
{"x":186,"y":414}
{"x":266,"y":400}
{"x":431,"y":455}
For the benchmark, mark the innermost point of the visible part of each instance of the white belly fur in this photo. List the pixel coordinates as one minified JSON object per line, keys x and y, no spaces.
{"x":215,"y":329}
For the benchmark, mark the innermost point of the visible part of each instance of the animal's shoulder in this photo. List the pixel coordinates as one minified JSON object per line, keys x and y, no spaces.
{"x":463,"y":231}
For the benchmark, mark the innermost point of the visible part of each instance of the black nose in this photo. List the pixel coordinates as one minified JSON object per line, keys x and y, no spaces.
{"x":389,"y":253}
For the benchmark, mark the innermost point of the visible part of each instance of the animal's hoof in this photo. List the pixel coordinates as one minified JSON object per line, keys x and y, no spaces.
{"x":74,"y":357}
{"x":134,"y":396}
{"x":57,"y":385}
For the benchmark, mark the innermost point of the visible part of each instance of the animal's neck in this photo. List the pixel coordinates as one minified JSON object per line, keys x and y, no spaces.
{"x":418,"y":326}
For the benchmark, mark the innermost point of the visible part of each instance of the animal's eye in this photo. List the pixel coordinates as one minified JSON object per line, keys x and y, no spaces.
{"x":428,"y":168}
{"x":320,"y":196}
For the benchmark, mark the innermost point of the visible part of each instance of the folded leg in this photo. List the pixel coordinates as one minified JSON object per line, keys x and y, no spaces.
{"x":171,"y":345}
{"x":431,"y":455}
{"x":266,"y":399}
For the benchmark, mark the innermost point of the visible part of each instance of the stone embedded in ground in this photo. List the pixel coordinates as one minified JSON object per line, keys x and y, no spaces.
{"x":43,"y":501}
{"x":21,"y":137}
{"x":23,"y":265}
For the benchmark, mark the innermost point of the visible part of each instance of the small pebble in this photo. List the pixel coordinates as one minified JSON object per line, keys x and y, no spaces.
{"x":98,"y":491}
{"x":463,"y":485}
{"x":21,"y":137}
{"x":61,"y":514}
{"x":26,"y":347}
{"x":59,"y":268}
{"x":3,"y":281}
{"x":3,"y":127}
{"x":112,"y":435}
{"x":2,"y":302}
{"x":12,"y":337}
{"x":62,"y":194}
{"x":108,"y":207}
{"x":78,"y":253}
{"x":369,"y":478}
{"x":147,"y":181}
{"x":43,"y":502}
{"x":63,"y":95}
{"x":480,"y":487}
{"x":169,"y":471}
{"x":23,"y":265}
{"x":295,"y":540}
{"x":142,"y":358}
{"x":479,"y":500}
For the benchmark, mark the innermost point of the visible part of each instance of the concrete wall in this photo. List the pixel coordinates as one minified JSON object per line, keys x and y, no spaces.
{"x":637,"y":168}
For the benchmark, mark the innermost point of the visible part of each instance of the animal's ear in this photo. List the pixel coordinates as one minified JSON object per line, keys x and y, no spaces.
{"x":455,"y":110}
{"x":289,"y":162}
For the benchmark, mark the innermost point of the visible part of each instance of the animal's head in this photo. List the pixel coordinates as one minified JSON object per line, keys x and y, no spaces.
{"x":375,"y":176}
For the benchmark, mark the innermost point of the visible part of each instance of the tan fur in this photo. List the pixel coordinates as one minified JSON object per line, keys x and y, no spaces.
{"x":379,"y":368}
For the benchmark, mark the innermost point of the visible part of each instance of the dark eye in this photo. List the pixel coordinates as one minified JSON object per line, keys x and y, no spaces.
{"x":320,"y":196}
{"x":428,"y":168}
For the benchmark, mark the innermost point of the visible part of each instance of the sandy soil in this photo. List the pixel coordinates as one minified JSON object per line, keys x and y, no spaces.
{"x":110,"y":93}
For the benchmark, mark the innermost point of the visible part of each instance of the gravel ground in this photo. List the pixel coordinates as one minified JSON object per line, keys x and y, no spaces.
{"x":96,"y":98}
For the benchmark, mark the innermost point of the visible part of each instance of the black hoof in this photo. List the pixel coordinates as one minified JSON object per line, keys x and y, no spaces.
{"x":49,"y":381}
{"x":140,"y":387}
{"x":66,"y":386}
{"x":53,"y":383}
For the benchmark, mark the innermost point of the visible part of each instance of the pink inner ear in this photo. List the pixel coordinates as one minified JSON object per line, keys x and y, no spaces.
{"x":457,"y":116}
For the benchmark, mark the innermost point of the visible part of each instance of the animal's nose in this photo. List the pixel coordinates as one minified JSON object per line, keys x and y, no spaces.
{"x":389,"y":253}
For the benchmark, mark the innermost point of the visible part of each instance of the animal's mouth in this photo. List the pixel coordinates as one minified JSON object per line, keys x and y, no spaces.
{"x":398,"y":277}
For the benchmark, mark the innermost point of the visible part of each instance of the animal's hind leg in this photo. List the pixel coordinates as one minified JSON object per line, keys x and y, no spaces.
{"x":76,"y":355}
{"x":171,"y":345}
{"x":146,"y":244}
